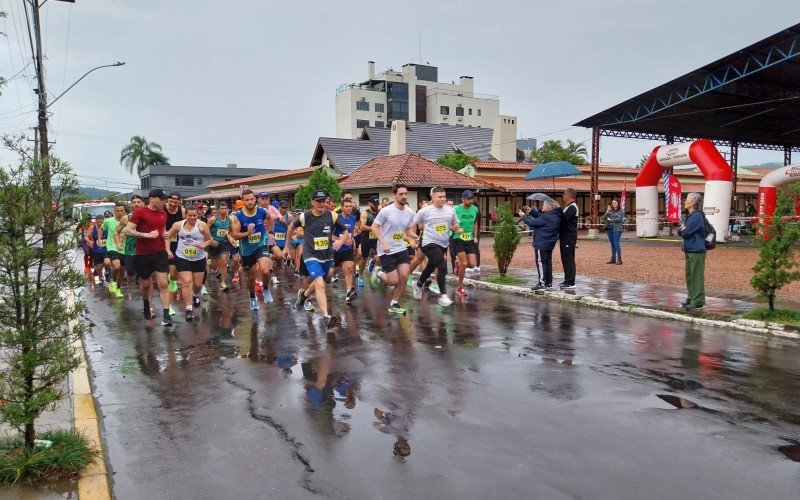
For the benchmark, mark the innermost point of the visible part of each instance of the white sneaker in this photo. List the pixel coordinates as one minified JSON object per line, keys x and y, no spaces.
{"x":444,"y":300}
{"x":275,"y":280}
{"x":97,"y":280}
{"x":204,"y":291}
{"x":308,"y":306}
{"x":266,"y":295}
{"x":417,"y":291}
{"x":254,"y":305}
{"x":476,"y":272}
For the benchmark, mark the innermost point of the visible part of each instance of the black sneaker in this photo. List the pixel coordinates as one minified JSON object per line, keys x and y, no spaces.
{"x":351,"y":294}
{"x":301,"y":299}
{"x":196,"y":302}
{"x":167,"y":321}
{"x":567,"y":287}
{"x":330,"y":321}
{"x":538,"y":287}
{"x":189,"y":315}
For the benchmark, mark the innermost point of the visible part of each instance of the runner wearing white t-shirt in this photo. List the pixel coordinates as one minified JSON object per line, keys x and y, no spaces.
{"x":439,"y":220}
{"x":392,"y":226}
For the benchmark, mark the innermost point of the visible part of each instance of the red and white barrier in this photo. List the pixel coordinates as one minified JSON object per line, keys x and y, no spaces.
{"x":718,"y":187}
{"x":768,"y":191}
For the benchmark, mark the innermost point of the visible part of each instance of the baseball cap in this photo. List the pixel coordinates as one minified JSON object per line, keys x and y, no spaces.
{"x":276,"y":203}
{"x":157,"y":193}
{"x":175,"y":194}
{"x":263,"y":194}
{"x":238,"y":205}
{"x":468,"y":194}
{"x":284,"y":204}
{"x":375,"y":200}
{"x":319,"y":195}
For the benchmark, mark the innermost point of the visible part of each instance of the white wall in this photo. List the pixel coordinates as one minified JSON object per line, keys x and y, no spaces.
{"x":347,"y":114}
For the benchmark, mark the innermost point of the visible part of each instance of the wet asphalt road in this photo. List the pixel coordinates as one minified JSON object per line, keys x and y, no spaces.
{"x":497,"y":396}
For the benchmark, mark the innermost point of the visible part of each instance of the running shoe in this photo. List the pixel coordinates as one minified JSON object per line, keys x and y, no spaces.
{"x":444,"y":300}
{"x":196,"y":302}
{"x":87,"y":269}
{"x":189,"y":315}
{"x":266,"y":295}
{"x":360,"y":281}
{"x":334,"y":278}
{"x":371,"y":265}
{"x":259,"y":287}
{"x":410,"y":281}
{"x":150,"y":314}
{"x":434,"y":287}
{"x":97,"y":280}
{"x":476,"y":272}
{"x":374,"y":281}
{"x":173,"y":286}
{"x":235,"y":278}
{"x":395,"y":308}
{"x":309,"y":306}
{"x":351,"y":295}
{"x":274,"y":280}
{"x":301,"y":299}
{"x":461,"y":292}
{"x":330,"y":321}
{"x":538,"y":287}
{"x":224,"y":287}
{"x":469,"y":273}
{"x":108,"y":277}
{"x":417,"y":291}
{"x":217,"y":274}
{"x":253,"y":304}
{"x":204,"y":291}
{"x":112,"y":286}
{"x":167,"y":321}
{"x":568,"y":287}
{"x":118,"y":293}
{"x":171,"y":311}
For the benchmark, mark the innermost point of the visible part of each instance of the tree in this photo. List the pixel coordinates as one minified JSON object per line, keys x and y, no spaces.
{"x":506,"y":238}
{"x":456,"y":161}
{"x":140,"y":154}
{"x":38,"y":325}
{"x":776,"y":265}
{"x":554,"y":150}
{"x":321,"y":178}
{"x":643,"y":160}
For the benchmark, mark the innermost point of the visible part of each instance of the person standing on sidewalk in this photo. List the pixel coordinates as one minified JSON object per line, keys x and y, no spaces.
{"x":614,"y":219}
{"x":545,"y":224}
{"x":693,"y":232}
{"x":568,"y":238}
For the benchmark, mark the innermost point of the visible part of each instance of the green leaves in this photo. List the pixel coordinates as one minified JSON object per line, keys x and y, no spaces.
{"x":321,"y":178}
{"x":506,"y":238}
{"x":456,"y":161}
{"x":555,"y":150}
{"x":139,"y":154}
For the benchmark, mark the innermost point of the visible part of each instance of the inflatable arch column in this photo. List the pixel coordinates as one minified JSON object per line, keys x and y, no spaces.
{"x":768,"y":190}
{"x":718,"y":188}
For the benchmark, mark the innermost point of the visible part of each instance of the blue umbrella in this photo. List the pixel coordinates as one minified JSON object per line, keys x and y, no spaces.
{"x":552,"y":169}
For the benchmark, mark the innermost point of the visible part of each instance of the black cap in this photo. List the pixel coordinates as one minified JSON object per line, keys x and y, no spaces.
{"x":175,"y":194}
{"x":284,"y":204}
{"x":375,"y":200}
{"x":468,"y":194}
{"x":319,"y":195}
{"x":157,"y":193}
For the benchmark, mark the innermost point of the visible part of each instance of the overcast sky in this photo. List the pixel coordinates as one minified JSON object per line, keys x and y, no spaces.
{"x":252,"y":82}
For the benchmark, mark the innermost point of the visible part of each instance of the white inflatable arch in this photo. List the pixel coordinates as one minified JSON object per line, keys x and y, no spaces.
{"x":768,"y":190}
{"x":718,"y":188}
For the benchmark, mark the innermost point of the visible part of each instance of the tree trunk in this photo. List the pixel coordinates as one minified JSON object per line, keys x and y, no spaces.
{"x":30,"y":435}
{"x":771,"y":299}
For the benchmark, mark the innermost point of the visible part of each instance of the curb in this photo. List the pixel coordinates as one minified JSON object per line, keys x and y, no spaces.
{"x":93,"y":482}
{"x":747,"y":325}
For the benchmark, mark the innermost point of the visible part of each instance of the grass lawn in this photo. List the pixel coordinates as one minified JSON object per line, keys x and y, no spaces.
{"x":505,"y":280}
{"x":69,"y":454}
{"x":785,"y":316}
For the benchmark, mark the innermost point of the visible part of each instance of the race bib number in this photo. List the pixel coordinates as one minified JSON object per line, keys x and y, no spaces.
{"x":254,"y":238}
{"x":190,"y":252}
{"x":372,"y":235}
{"x":321,"y":243}
{"x":440,"y":228}
{"x":174,"y":237}
{"x":397,"y":236}
{"x":280,"y":236}
{"x":101,"y":243}
{"x":466,"y":236}
{"x":221,"y":233}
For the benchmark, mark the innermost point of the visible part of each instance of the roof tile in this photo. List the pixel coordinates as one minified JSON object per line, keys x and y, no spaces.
{"x":410,"y":169}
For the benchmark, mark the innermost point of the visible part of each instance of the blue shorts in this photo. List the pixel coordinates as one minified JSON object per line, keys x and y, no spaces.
{"x":316,"y":268}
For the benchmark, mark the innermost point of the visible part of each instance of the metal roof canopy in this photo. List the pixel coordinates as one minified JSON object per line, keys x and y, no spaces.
{"x":750,"y":98}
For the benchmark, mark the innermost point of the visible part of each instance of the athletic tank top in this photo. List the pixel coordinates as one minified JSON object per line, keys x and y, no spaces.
{"x":171,"y":220}
{"x":186,"y":239}
{"x":220,"y":229}
{"x":281,"y":226}
{"x":370,"y":218}
{"x":259,"y":236}
{"x":96,"y":248}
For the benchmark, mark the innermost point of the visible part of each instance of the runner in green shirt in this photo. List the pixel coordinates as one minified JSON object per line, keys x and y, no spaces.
{"x":110,"y":225}
{"x":128,"y":242}
{"x":465,"y":245}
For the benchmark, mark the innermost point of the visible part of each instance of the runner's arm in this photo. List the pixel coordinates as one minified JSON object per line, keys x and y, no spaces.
{"x":345,"y":234}
{"x":119,"y":236}
{"x":130,"y":230}
{"x":173,"y":230}
{"x":207,"y":234}
{"x":236,"y":229}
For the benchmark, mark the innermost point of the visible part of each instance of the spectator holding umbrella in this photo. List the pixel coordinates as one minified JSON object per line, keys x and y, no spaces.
{"x":546,"y":224}
{"x":614,"y":219}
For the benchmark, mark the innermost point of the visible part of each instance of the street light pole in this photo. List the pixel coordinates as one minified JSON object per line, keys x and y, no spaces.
{"x":84,"y":76}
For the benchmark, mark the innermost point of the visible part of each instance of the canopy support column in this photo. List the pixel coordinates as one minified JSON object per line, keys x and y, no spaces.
{"x":787,"y":156}
{"x":735,"y":165}
{"x":594,"y":195}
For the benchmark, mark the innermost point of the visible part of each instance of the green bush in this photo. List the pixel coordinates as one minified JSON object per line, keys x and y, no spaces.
{"x":506,"y":238}
{"x":321,"y":178}
{"x":70,"y":453}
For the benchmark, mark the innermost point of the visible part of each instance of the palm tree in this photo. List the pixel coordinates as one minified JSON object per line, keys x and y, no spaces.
{"x":140,"y":154}
{"x":576,"y":148}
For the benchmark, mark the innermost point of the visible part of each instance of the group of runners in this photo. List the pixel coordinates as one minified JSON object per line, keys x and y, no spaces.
{"x":178,"y":246}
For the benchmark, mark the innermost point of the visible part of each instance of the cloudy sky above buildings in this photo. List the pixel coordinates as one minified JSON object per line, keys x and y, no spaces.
{"x":252,"y":82}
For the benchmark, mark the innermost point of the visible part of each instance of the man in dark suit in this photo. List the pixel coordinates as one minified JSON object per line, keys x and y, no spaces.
{"x":568,"y":238}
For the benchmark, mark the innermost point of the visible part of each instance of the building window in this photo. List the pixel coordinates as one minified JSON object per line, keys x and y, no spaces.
{"x":198,"y":181}
{"x":479,"y":112}
{"x":459,"y":111}
{"x":380,"y":124}
{"x":184,"y":180}
{"x":146,"y":182}
{"x":470,"y":111}
{"x":379,"y":107}
{"x":445,"y":110}
{"x":362,"y":123}
{"x":362,"y":105}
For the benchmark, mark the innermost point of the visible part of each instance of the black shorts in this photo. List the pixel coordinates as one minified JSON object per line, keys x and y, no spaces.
{"x":339,"y":257}
{"x":390,"y":262}
{"x":458,"y":245}
{"x":147,"y":264}
{"x":222,"y":247}
{"x":411,"y":251}
{"x":99,"y":258}
{"x":130,"y":265}
{"x":367,"y":245}
{"x":112,"y":255}
{"x":249,"y":261}
{"x":195,"y":266}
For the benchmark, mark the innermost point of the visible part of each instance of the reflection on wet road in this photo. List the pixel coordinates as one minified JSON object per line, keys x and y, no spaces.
{"x":496,"y":396}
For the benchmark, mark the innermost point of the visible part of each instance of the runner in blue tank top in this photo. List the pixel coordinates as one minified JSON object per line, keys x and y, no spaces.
{"x":220,"y":226}
{"x":279,"y":235}
{"x":248,"y":226}
{"x":344,"y":257}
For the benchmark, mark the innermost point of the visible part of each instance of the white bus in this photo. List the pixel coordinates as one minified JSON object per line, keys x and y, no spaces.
{"x":91,"y":209}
